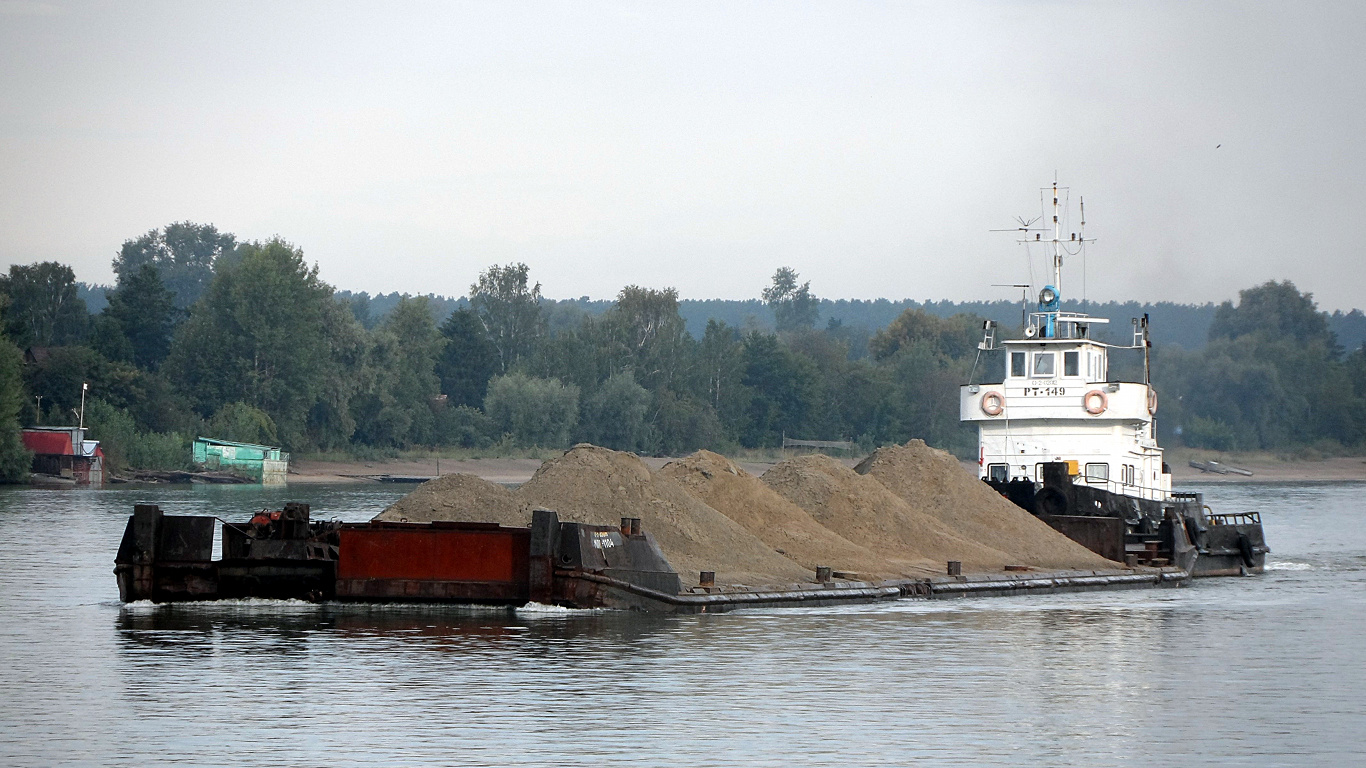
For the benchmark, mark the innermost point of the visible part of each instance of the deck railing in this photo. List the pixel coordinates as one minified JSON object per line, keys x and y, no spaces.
{"x":1234,"y":518}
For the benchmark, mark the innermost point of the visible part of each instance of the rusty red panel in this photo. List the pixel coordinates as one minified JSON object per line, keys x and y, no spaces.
{"x":418,"y":552}
{"x":441,"y":591}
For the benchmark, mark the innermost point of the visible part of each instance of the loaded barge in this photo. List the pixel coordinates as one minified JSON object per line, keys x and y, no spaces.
{"x":286,"y":555}
{"x":1062,"y":438}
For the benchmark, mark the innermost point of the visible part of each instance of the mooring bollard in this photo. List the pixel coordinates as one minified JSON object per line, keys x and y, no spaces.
{"x":635,"y":526}
{"x":955,"y":568}
{"x":707,"y":579}
{"x":625,"y":526}
{"x":822,"y":574}
{"x":1131,"y":560}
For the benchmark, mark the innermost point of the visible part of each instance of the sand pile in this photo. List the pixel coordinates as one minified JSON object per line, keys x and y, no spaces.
{"x":905,"y":512}
{"x":782,"y":525}
{"x":600,"y":486}
{"x":462,"y":498}
{"x":862,"y":510}
{"x":934,"y":483}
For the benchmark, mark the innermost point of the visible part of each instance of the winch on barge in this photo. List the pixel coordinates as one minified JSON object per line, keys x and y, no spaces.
{"x":1063,"y":439}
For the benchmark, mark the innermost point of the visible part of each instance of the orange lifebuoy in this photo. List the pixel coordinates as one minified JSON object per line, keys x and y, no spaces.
{"x":1094,"y":408}
{"x":1152,"y":401}
{"x":993,"y":403}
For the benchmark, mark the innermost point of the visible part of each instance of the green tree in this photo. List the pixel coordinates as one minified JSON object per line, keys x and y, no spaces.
{"x":1274,"y":310}
{"x":721,"y":365}
{"x":147,"y":397}
{"x":184,"y":255}
{"x":653,"y":338}
{"x":955,"y":337}
{"x":1354,"y":421}
{"x":15,"y":460}
{"x":531,"y":411}
{"x":145,"y":313}
{"x":395,"y":408}
{"x":924,"y":397}
{"x":242,"y":423}
{"x":468,"y":360}
{"x":108,"y":339}
{"x":127,"y":447}
{"x":1269,"y":377}
{"x":509,"y":311}
{"x":43,"y":309}
{"x":793,"y":305}
{"x":463,"y":426}
{"x":616,"y":414}
{"x":267,"y":333}
{"x":784,"y":391}
{"x":683,"y":424}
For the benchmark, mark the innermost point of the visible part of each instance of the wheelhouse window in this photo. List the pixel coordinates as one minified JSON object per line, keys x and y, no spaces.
{"x":1097,"y":473}
{"x":1043,"y":364}
{"x":1071,"y":364}
{"x":998,"y":473}
{"x":1017,"y":364}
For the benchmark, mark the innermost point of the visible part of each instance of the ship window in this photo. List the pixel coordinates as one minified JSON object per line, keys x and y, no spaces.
{"x":998,"y":473}
{"x":1043,"y":364}
{"x":1017,"y":363}
{"x":1071,"y":364}
{"x":1097,"y":473}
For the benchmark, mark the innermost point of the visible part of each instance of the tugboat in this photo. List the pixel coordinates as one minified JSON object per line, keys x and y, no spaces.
{"x":1063,"y":439}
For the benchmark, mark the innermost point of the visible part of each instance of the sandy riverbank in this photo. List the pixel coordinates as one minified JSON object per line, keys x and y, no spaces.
{"x":505,"y":471}
{"x":517,"y":471}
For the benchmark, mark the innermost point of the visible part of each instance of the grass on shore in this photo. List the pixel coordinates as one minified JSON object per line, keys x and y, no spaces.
{"x":1309,"y":453}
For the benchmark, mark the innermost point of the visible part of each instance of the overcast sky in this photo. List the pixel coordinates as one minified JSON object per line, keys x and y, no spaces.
{"x":869,"y":146}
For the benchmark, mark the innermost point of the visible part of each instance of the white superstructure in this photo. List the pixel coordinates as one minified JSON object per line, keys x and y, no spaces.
{"x":1057,"y":403}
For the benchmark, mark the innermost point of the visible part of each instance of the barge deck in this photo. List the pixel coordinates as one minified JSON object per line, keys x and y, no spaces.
{"x":284,"y":554}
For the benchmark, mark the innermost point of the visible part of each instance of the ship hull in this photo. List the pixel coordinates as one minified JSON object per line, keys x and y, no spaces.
{"x":1178,"y":531}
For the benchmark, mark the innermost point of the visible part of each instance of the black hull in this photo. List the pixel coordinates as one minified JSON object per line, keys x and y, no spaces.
{"x":1134,"y":531}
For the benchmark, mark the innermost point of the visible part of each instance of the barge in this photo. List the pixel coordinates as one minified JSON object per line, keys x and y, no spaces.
{"x":285,"y":554}
{"x":1065,"y":440}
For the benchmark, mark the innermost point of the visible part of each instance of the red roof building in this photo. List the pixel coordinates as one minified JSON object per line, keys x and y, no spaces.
{"x":64,"y":452}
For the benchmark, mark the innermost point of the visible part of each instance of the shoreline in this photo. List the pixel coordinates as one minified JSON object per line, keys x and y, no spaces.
{"x":514,"y":471}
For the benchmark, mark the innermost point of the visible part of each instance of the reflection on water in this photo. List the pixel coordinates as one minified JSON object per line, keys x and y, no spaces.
{"x":289,"y":626}
{"x":1259,"y":671}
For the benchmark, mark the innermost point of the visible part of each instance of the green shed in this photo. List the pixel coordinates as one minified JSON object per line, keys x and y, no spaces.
{"x":267,"y":464}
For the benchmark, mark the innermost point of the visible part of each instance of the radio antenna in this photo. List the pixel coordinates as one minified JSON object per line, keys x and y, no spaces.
{"x":1024,"y":299}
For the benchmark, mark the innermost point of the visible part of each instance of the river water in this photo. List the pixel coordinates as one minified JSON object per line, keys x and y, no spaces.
{"x":1263,"y":671}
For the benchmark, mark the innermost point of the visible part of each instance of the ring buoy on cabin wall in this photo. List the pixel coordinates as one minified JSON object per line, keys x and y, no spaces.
{"x":1152,"y":401}
{"x":1095,"y":402}
{"x":993,"y":403}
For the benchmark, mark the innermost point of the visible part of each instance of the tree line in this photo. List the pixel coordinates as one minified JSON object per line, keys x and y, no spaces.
{"x":206,"y":334}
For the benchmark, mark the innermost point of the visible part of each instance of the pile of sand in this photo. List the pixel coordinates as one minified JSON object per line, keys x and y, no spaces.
{"x":462,"y":498}
{"x":600,"y":486}
{"x":932,"y":482}
{"x":785,"y":527}
{"x":862,"y":510}
{"x":905,"y":512}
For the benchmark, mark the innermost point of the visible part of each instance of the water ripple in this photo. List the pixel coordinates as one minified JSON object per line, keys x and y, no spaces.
{"x":1256,"y":671}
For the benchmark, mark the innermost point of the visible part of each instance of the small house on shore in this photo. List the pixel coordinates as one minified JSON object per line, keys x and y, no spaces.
{"x":267,"y":464}
{"x":63,"y":452}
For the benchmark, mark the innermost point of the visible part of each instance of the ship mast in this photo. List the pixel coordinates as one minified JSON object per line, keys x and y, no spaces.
{"x":1057,"y":242}
{"x":1050,"y":299}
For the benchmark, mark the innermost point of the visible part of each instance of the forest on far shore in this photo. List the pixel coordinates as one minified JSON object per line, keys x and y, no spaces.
{"x":203,"y":334}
